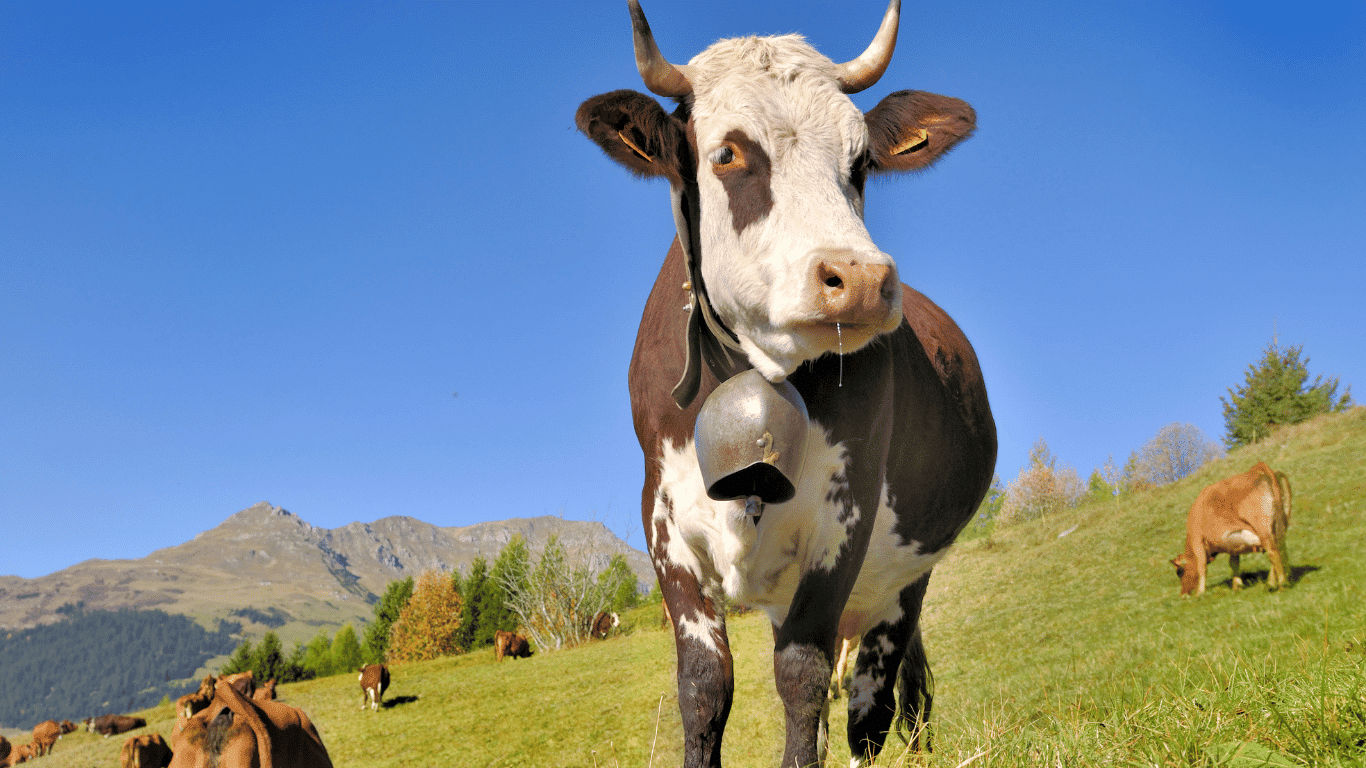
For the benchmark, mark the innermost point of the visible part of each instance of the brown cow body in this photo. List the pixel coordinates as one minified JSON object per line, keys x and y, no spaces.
{"x":1238,"y":515}
{"x":236,"y":732}
{"x":374,"y":681}
{"x":146,"y":751}
{"x":110,"y":725}
{"x":603,"y":624}
{"x":45,"y":735}
{"x":510,"y":644}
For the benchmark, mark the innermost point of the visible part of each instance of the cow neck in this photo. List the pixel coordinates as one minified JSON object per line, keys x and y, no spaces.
{"x":708,"y":339}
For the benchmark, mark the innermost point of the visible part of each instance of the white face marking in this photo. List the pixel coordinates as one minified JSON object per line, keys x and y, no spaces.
{"x":783,"y":95}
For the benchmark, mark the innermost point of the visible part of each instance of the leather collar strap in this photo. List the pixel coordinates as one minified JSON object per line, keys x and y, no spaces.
{"x":707,"y":338}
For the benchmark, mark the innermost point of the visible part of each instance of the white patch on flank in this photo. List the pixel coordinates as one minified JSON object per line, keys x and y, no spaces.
{"x":718,"y":543}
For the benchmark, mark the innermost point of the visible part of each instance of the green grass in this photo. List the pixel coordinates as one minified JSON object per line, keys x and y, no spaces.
{"x":1047,"y":651}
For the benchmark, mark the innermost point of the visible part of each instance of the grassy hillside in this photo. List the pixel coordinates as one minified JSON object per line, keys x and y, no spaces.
{"x":1070,"y":650}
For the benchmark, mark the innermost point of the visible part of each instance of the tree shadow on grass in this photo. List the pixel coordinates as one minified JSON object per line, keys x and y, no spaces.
{"x":398,"y":701}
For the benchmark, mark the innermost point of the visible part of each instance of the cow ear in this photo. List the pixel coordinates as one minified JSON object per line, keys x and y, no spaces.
{"x":636,"y":132}
{"x":910,"y":130}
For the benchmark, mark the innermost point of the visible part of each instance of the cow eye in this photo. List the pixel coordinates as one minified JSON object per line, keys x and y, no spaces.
{"x":723,"y":156}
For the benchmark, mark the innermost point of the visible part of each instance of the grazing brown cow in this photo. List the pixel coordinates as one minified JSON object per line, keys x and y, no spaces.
{"x":265,"y":692}
{"x":236,"y":732}
{"x":604,"y":623}
{"x":110,"y":725}
{"x":510,"y":644}
{"x":374,"y":681}
{"x":1238,"y":515}
{"x":146,"y":751}
{"x":45,"y":735}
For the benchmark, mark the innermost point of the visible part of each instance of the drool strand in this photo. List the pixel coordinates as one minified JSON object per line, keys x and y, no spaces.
{"x":839,"y":339}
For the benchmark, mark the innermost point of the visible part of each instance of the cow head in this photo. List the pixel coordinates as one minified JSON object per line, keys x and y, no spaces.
{"x":766,"y":137}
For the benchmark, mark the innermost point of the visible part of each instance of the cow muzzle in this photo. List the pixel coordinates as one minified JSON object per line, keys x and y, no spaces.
{"x":855,"y":291}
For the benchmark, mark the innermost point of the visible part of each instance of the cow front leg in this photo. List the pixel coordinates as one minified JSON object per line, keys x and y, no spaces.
{"x":1234,"y":565}
{"x":706,"y":681}
{"x":802,"y":673}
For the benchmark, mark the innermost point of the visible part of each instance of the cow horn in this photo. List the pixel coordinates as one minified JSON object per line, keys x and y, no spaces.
{"x":864,"y":71}
{"x":661,"y":77}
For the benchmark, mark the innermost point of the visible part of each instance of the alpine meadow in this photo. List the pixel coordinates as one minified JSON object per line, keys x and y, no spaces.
{"x":1060,"y":641}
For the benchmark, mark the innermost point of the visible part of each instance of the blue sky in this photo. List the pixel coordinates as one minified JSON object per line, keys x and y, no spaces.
{"x":355,"y":260}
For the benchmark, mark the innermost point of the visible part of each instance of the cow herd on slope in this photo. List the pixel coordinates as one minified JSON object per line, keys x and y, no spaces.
{"x":231,"y":722}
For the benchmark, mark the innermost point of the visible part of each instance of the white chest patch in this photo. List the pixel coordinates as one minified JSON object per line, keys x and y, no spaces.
{"x":762,"y":567}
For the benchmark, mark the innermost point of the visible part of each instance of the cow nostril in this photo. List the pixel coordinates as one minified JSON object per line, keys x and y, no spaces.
{"x":834,"y":282}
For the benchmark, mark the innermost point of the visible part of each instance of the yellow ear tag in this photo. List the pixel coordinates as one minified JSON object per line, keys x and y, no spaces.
{"x":916,"y":140}
{"x":636,"y":149}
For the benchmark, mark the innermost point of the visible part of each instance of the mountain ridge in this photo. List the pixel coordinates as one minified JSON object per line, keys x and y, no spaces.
{"x":265,"y":556}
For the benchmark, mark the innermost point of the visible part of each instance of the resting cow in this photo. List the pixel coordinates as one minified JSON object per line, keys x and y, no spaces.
{"x":110,"y":725}
{"x":883,"y":444}
{"x":603,"y":623}
{"x":236,"y":732}
{"x":21,"y":753}
{"x":510,"y":644}
{"x":146,"y":751}
{"x":45,"y":735}
{"x":1238,"y":515}
{"x":374,"y":681}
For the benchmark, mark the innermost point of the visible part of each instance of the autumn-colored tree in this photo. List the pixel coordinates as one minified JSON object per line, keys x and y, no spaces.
{"x":1041,"y":488}
{"x":428,"y":625}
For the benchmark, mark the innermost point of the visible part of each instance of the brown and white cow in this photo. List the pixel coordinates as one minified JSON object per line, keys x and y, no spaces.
{"x":146,"y":751}
{"x":1238,"y":515}
{"x":603,"y":624}
{"x":374,"y":681}
{"x":237,"y":732}
{"x":45,"y":735}
{"x":766,"y":157}
{"x":510,"y":644}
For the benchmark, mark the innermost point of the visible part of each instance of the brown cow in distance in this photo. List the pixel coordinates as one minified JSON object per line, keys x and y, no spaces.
{"x":1238,"y":515}
{"x":19,"y":754}
{"x":45,"y":735}
{"x":146,"y":751}
{"x":110,"y":725}
{"x":236,"y":732}
{"x":374,"y":681}
{"x":265,"y":692}
{"x":510,"y":644}
{"x":603,"y":623}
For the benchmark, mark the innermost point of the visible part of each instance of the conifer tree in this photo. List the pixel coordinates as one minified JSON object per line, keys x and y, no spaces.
{"x":1276,"y":392}
{"x":376,"y":646}
{"x":345,"y":655}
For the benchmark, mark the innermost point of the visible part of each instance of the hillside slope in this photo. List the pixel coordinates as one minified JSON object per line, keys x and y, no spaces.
{"x":1048,"y":650}
{"x":267,"y":557}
